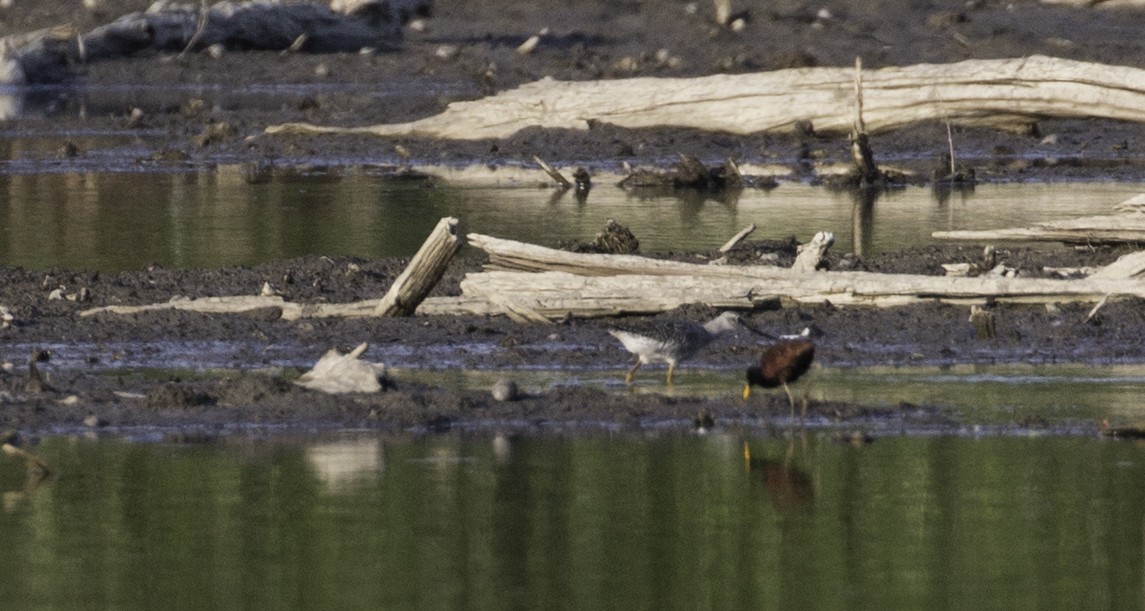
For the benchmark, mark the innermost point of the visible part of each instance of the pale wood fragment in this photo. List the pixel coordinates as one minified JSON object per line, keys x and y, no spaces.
{"x":1126,"y":266}
{"x":424,"y":270}
{"x":737,"y":238}
{"x":553,"y":173}
{"x":810,"y":255}
{"x":337,"y":373}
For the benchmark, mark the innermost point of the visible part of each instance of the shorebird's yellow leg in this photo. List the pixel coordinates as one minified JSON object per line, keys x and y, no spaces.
{"x":632,"y":372}
{"x":671,"y":368}
{"x":791,"y":400}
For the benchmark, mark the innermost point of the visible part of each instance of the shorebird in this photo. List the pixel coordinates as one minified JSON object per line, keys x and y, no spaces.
{"x":780,"y":365}
{"x":672,"y":341}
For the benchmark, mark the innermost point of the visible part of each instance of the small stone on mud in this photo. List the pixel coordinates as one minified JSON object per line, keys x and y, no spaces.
{"x":94,"y":422}
{"x":506,"y":390}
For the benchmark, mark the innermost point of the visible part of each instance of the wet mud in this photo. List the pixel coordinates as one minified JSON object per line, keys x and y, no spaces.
{"x":237,"y":369}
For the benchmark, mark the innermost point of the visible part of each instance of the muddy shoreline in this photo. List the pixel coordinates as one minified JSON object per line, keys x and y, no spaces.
{"x":188,"y":371}
{"x":240,"y":366}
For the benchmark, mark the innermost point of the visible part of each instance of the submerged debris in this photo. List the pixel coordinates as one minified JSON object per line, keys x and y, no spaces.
{"x":687,"y":173}
{"x":615,"y":239}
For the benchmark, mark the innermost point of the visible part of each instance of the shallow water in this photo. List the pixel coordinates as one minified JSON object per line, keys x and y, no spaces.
{"x":129,"y":219}
{"x":670,"y":520}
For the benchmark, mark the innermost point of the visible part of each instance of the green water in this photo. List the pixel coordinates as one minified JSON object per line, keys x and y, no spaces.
{"x":673,"y":521}
{"x":127,"y":220}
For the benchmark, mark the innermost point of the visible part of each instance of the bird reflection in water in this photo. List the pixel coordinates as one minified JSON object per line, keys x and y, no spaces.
{"x":790,"y":489}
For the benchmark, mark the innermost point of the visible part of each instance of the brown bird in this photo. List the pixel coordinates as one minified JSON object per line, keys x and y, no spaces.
{"x":781,"y":365}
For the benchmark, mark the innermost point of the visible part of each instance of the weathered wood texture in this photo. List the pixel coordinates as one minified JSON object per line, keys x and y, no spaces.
{"x":49,"y":55}
{"x":602,"y":285}
{"x":545,"y":284}
{"x":424,"y":270}
{"x":1003,"y":93}
{"x":810,"y":255}
{"x":1111,"y":228}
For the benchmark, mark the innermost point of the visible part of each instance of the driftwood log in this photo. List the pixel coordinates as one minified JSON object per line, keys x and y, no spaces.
{"x":424,"y":270}
{"x":48,"y":55}
{"x":1116,"y":228}
{"x":532,"y":283}
{"x":1002,"y":93}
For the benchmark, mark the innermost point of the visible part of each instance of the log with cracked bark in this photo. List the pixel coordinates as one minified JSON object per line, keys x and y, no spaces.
{"x":1000,"y":93}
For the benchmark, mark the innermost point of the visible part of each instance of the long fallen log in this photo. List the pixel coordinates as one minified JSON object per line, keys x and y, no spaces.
{"x":49,"y":55}
{"x":1105,"y":229}
{"x":1000,"y":93}
{"x":553,"y":284}
{"x":555,"y":295}
{"x":545,"y":284}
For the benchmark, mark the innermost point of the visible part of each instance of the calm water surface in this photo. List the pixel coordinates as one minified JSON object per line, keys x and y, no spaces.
{"x":673,"y":521}
{"x":127,"y":220}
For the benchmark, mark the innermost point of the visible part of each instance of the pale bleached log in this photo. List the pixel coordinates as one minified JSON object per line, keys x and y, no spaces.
{"x":424,"y":270}
{"x":236,"y":304}
{"x":1003,"y":93}
{"x":556,"y":294}
{"x":811,"y":254}
{"x":1126,"y":266}
{"x":512,"y":255}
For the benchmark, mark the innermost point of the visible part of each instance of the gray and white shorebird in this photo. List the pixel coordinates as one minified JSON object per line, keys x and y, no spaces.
{"x":672,"y":341}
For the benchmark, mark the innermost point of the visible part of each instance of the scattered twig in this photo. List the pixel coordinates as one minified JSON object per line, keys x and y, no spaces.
{"x":950,"y":143}
{"x":1093,"y":312}
{"x":737,"y":238}
{"x":553,"y":173}
{"x":204,"y":16}
{"x":860,"y":145}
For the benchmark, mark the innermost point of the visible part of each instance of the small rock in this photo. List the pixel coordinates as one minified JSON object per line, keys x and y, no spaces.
{"x":506,"y":390}
{"x":446,"y":52}
{"x":94,"y":422}
{"x":135,"y":117}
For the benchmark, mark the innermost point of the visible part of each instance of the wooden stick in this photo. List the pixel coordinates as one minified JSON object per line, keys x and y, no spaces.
{"x":1096,"y":308}
{"x":553,"y":173}
{"x":423,"y":271}
{"x":737,"y":238}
